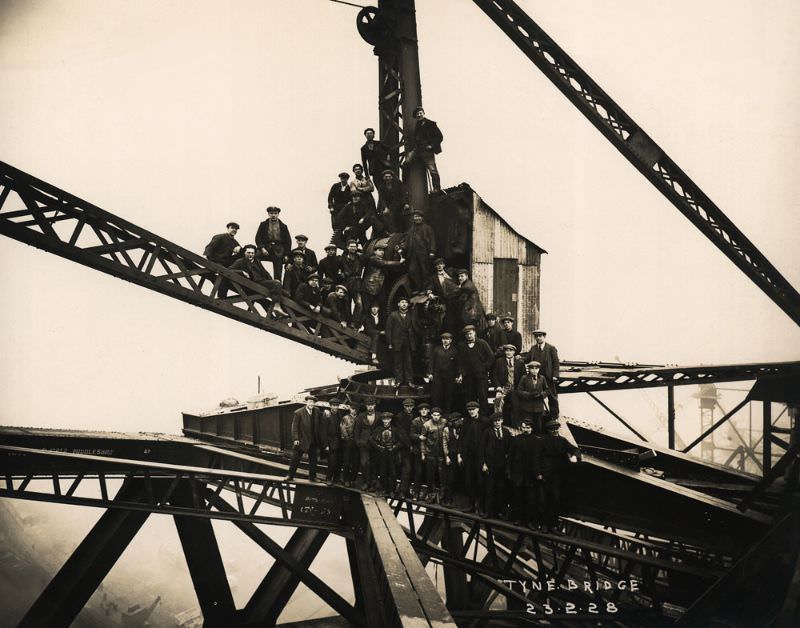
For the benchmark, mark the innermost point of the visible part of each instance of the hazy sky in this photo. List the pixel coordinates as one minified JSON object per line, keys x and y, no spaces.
{"x":181,"y":116}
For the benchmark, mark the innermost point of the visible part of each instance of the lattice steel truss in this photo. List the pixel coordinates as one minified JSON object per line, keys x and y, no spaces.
{"x":638,"y":148}
{"x":60,"y":223}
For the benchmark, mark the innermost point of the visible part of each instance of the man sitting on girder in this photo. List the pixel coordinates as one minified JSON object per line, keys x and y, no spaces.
{"x":426,"y":143}
{"x":223,"y":248}
{"x":251,"y":268}
{"x":393,"y":203}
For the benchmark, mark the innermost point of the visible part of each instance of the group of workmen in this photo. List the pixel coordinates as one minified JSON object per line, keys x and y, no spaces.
{"x":350,"y":287}
{"x":466,"y":460}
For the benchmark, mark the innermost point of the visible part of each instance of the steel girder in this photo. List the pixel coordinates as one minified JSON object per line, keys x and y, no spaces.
{"x":641,"y":150}
{"x":60,"y":223}
{"x":86,"y":480}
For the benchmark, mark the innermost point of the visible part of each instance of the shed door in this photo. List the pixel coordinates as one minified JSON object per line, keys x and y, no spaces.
{"x":505,"y":282}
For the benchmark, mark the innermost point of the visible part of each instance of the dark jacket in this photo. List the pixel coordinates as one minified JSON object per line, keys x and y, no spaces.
{"x":220,"y":249}
{"x":310,"y":259}
{"x":254,"y":270}
{"x":375,"y":160}
{"x":474,"y":429}
{"x":500,"y":371}
{"x":470,"y":308}
{"x":337,"y":308}
{"x":493,"y":451}
{"x":475,"y":360}
{"x":293,"y":278}
{"x":402,"y":421}
{"x":337,"y":197}
{"x":341,"y":420}
{"x":398,"y":330}
{"x":363,"y":430}
{"x":371,"y":327}
{"x":385,"y":438}
{"x":284,"y":243}
{"x":304,"y":427}
{"x":427,"y":136}
{"x":530,"y":394}
{"x":307,"y":296}
{"x":513,"y":337}
{"x":417,"y":430}
{"x":331,"y":267}
{"x":495,"y":336}
{"x":552,"y":451}
{"x":521,"y":459}
{"x":548,"y":357}
{"x":444,"y":362}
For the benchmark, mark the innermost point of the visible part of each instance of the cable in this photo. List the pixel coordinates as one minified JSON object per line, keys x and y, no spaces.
{"x":350,"y":4}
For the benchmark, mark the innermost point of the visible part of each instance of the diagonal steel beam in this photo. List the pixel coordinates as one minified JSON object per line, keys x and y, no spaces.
{"x":641,"y":150}
{"x":76,"y":581}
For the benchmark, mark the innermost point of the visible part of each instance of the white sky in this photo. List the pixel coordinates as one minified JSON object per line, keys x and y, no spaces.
{"x":181,"y":116}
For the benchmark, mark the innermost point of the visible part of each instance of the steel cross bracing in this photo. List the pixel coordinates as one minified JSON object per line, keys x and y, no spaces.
{"x":60,"y":223}
{"x":638,"y":148}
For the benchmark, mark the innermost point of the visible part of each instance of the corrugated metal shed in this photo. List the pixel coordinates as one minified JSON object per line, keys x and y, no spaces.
{"x":505,"y":265}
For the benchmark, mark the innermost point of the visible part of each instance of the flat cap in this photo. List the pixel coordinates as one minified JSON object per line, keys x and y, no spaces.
{"x":497,"y":415}
{"x":446,"y":334}
{"x":387,"y":415}
{"x":328,"y":247}
{"x":344,"y":175}
{"x":273,"y":210}
{"x":301,"y":236}
{"x":436,"y":409}
{"x":389,"y":171}
{"x":425,"y":405}
{"x":369,"y":401}
{"x":462,"y":271}
{"x":533,"y":363}
{"x":507,"y":317}
{"x":312,"y":276}
{"x":235,"y":225}
{"x":512,"y":347}
{"x":310,"y":398}
{"x":539,"y":332}
{"x":352,"y":241}
{"x":468,"y":328}
{"x":298,"y":253}
{"x":552,"y":424}
{"x":341,"y":287}
{"x":490,"y":316}
{"x":408,"y":402}
{"x":335,"y":401}
{"x":438,"y":260}
{"x":473,"y":404}
{"x":402,"y":299}
{"x":379,"y":245}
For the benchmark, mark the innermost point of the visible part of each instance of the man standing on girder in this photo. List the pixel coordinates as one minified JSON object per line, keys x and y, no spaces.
{"x":530,"y":392}
{"x":305,"y":423}
{"x":426,"y":143}
{"x":273,"y":241}
{"x":442,"y":373}
{"x":475,"y":358}
{"x":399,"y":339}
{"x":547,"y":355}
{"x":365,"y":423}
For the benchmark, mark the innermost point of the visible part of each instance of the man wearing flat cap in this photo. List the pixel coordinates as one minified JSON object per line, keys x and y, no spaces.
{"x":547,"y":355}
{"x":338,"y":197}
{"x":365,"y":423}
{"x":531,"y":392}
{"x":493,"y":333}
{"x":443,"y":369}
{"x":554,"y":454}
{"x":402,"y":421}
{"x":385,"y":443}
{"x":399,"y":340}
{"x":309,"y":256}
{"x":475,"y":358}
{"x":250,"y":267}
{"x":304,"y":438}
{"x":223,"y":248}
{"x":426,"y":143}
{"x":296,"y":274}
{"x":337,"y":305}
{"x":508,"y":369}
{"x":420,"y":247}
{"x":375,"y":275}
{"x":352,"y":268}
{"x":512,"y":336}
{"x":375,"y":156}
{"x":274,"y":242}
{"x":392,"y":202}
{"x":330,"y":266}
{"x":468,"y":301}
{"x":493,"y":459}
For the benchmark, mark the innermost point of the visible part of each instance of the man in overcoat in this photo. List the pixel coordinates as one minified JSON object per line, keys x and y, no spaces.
{"x":305,"y":423}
